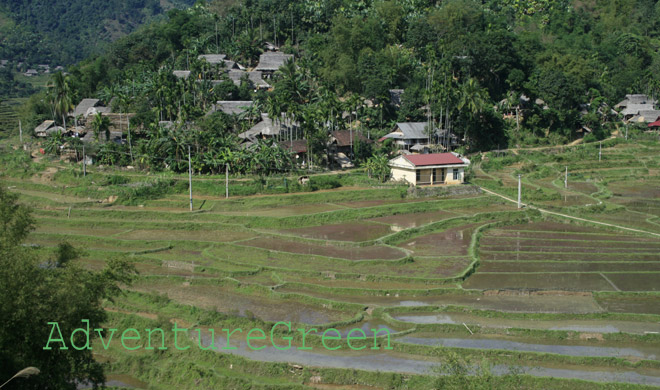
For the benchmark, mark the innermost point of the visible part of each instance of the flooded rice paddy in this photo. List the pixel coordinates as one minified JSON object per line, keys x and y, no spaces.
{"x":341,"y":252}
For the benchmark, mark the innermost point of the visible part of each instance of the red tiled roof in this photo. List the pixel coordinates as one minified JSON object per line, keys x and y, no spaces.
{"x":655,"y":124}
{"x":420,"y":160}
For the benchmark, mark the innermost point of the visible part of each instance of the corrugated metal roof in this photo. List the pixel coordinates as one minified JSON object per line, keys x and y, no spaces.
{"x":421,"y":160}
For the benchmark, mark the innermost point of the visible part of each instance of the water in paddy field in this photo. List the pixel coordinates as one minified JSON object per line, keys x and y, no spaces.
{"x":595,"y":326}
{"x":393,"y":362}
{"x":650,"y":353}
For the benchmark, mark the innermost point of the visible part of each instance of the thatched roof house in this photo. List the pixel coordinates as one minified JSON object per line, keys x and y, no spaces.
{"x":213,"y":59}
{"x":635,"y":99}
{"x":46,"y":128}
{"x":254,"y":77}
{"x":269,"y":62}
{"x":83,"y":107}
{"x":231,"y":107}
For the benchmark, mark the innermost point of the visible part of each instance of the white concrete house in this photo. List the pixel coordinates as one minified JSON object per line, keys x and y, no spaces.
{"x":429,"y":169}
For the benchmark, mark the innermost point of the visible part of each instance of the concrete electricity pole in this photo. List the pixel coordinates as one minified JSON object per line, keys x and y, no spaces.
{"x":84,"y":162}
{"x":20,"y":132}
{"x":600,"y":150}
{"x":519,"y":191}
{"x":566,"y":178}
{"x":190,"y":178}
{"x":226,"y":181}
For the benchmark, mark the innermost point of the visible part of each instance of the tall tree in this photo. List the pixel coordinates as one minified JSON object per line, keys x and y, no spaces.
{"x":60,"y":95}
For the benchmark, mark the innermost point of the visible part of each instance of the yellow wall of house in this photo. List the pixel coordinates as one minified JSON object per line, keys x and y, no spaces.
{"x":409,"y":176}
{"x":399,"y":174}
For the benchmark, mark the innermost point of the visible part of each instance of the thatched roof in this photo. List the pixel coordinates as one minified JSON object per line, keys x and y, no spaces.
{"x":182,"y":74}
{"x":231,"y":107}
{"x":83,"y":106}
{"x":634,"y":109}
{"x":272,"y":61}
{"x":635,"y":99}
{"x":255,"y":78}
{"x":212,"y":58}
{"x":343,"y":137}
{"x":44,"y":126}
{"x":646,"y":116}
{"x":295,"y":146}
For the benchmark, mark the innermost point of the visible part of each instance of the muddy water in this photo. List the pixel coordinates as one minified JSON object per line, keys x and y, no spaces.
{"x":349,"y":253}
{"x":394,"y":362}
{"x":213,"y":298}
{"x":406,"y":221}
{"x":509,"y":303}
{"x":355,"y":232}
{"x":452,"y":242}
{"x":644,"y":352}
{"x":594,"y":326}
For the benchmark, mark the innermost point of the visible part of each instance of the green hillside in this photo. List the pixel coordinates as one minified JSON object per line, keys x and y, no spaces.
{"x":64,"y":32}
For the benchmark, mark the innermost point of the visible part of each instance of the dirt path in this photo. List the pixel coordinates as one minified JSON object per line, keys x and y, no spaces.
{"x":570,"y":216}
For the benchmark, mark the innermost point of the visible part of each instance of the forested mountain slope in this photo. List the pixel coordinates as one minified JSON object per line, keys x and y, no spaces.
{"x":62,"y":32}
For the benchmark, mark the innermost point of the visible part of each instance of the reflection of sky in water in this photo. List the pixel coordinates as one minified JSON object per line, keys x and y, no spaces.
{"x":587,"y":328}
{"x":571,"y":350}
{"x":426,"y":319}
{"x":413,"y":303}
{"x":386,"y":361}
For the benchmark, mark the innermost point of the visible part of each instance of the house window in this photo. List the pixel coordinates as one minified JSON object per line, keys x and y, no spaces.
{"x":417,"y":175}
{"x":456,"y":175}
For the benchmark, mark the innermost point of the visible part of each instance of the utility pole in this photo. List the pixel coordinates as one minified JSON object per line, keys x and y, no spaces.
{"x":566,"y":178}
{"x":20,"y":132}
{"x":84,"y":162}
{"x":600,"y":150}
{"x":626,"y":131}
{"x":519,"y":192}
{"x":190,"y":178}
{"x":226,"y":181}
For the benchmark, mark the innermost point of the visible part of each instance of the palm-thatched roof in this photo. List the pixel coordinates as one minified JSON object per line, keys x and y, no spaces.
{"x":272,"y":61}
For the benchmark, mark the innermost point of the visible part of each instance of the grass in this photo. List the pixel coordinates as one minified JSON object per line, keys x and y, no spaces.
{"x":199,"y":266}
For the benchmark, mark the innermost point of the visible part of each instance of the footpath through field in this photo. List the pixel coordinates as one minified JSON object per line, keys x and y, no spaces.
{"x":569,"y":216}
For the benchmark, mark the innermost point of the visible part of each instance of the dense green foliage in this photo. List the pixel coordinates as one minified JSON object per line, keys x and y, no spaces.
{"x":35,"y":293}
{"x":495,"y":73}
{"x":65,"y":32}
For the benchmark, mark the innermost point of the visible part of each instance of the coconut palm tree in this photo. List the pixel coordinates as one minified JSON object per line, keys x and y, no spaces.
{"x":473,"y":98}
{"x":101,"y":124}
{"x":60,"y":96}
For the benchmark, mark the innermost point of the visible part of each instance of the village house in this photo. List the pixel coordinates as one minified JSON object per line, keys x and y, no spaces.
{"x":30,"y":73}
{"x":342,"y":141}
{"x":47,"y":128}
{"x":409,"y":136}
{"x":255,"y":78}
{"x":231,"y":107}
{"x":267,"y":128}
{"x":271,"y":61}
{"x":220,"y":60}
{"x":429,"y":169}
{"x":638,"y":108}
{"x":297,"y":148}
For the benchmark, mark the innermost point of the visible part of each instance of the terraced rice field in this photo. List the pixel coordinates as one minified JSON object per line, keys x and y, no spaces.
{"x":469,"y":274}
